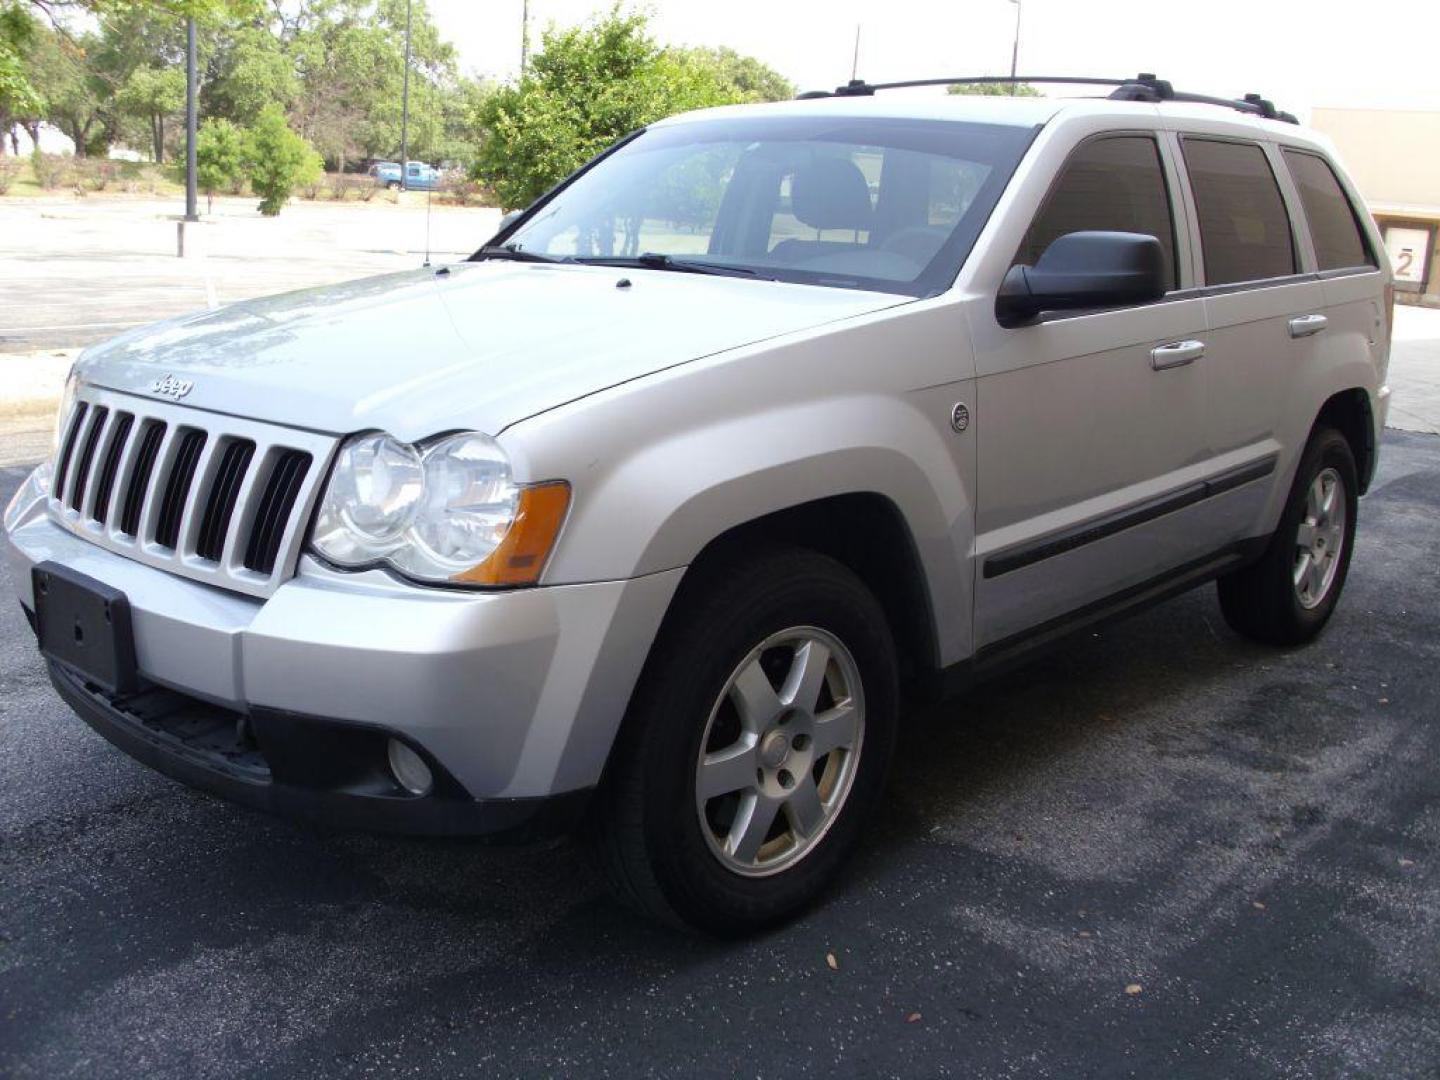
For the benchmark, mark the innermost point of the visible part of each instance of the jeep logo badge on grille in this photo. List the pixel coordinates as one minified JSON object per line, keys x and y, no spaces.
{"x":171,"y":387}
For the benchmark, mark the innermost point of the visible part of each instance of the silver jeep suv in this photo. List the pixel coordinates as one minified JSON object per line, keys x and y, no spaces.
{"x":649,"y":516}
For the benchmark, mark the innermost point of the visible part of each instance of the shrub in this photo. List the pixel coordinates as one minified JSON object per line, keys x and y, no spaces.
{"x":97,"y":174}
{"x":9,"y":170}
{"x":219,"y":158}
{"x":460,"y":189}
{"x":341,"y":184}
{"x":279,"y":161}
{"x":51,"y":170}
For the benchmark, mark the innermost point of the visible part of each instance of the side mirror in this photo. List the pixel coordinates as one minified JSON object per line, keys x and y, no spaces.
{"x":1084,"y":270}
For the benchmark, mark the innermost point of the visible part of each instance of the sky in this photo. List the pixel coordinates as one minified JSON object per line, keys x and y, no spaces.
{"x":1375,"y":54}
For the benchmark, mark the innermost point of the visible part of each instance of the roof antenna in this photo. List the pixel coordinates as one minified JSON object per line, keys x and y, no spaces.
{"x":428,"y":189}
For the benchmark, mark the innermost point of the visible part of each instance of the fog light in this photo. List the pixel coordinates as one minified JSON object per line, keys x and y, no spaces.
{"x":410,"y":770}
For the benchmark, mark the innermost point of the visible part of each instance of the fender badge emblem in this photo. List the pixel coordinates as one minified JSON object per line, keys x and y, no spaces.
{"x":960,"y":416}
{"x":171,"y":387}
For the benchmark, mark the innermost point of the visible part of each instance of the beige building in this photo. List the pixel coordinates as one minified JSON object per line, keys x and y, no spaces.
{"x":1393,"y":155}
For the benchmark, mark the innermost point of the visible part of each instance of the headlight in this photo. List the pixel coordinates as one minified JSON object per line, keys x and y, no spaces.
{"x":67,"y":401}
{"x":32,"y":489}
{"x":446,"y":511}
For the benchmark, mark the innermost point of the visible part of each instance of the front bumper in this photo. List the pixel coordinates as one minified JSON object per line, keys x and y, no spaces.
{"x":302,"y":767}
{"x":514,"y":695}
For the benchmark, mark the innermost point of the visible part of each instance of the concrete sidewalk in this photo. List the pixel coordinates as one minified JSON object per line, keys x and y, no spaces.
{"x":1415,"y":370}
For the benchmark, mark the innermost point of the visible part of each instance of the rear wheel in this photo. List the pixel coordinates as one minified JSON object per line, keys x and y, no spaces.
{"x":756,"y":745}
{"x":1289,"y":594}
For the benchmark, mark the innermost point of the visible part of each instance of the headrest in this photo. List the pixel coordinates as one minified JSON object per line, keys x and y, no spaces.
{"x":831,"y":193}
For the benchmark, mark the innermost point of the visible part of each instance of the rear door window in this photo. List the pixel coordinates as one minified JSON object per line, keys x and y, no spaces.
{"x":1113,"y":184}
{"x":1244,"y":226}
{"x":1339,"y":244}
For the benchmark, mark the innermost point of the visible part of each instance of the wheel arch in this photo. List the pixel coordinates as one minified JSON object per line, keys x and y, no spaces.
{"x":866,"y":532}
{"x":1350,"y":413}
{"x":859,"y":529}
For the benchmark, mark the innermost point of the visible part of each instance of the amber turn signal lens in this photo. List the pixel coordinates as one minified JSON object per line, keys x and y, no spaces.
{"x":522,"y":554}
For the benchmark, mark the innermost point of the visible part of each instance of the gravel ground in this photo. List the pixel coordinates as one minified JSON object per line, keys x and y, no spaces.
{"x":1161,"y":851}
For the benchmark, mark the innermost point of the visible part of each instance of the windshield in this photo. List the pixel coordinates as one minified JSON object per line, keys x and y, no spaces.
{"x":885,"y":204}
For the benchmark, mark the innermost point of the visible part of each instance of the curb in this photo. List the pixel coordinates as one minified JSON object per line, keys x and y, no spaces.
{"x":39,"y":409}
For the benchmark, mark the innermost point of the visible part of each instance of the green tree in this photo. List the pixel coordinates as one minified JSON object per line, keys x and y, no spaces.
{"x":278,"y":160}
{"x":18,"y":96}
{"x":251,"y":68}
{"x":76,"y":98}
{"x":746,"y":77}
{"x":219,"y":157}
{"x":201,"y":10}
{"x":995,"y":89}
{"x":153,"y":95}
{"x":588,"y":86}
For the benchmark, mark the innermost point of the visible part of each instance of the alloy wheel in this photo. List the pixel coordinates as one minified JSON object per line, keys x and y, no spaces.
{"x":1320,"y":538}
{"x":780,"y":751}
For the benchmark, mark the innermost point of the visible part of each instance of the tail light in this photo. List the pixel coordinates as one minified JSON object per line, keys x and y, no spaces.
{"x":1389,"y":311}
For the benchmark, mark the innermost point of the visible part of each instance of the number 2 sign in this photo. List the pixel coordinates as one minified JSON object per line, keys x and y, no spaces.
{"x":1409,"y":249}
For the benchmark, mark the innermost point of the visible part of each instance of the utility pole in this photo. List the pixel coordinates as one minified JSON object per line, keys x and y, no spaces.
{"x":405,"y":105}
{"x":524,"y":36}
{"x":855,"y":60}
{"x":1015,"y":49}
{"x":191,"y":79}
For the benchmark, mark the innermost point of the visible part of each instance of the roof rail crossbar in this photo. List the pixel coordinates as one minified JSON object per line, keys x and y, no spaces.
{"x":1143,"y":87}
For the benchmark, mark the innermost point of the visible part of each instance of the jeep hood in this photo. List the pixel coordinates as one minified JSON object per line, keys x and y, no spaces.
{"x":475,"y":345}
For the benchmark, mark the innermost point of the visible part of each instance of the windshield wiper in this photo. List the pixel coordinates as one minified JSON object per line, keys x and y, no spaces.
{"x":515,"y":254}
{"x":654,"y":260}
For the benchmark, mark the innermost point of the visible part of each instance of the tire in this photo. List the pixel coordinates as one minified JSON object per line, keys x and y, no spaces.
{"x":1281,"y":599}
{"x":392,"y":186}
{"x":780,"y":613}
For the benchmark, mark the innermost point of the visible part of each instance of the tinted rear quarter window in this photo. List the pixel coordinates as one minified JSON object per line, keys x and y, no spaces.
{"x":1333,"y":227}
{"x":1244,"y":227}
{"x":1114,"y":184}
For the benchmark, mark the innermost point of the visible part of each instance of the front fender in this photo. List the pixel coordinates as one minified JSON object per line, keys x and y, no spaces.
{"x":661,"y":468}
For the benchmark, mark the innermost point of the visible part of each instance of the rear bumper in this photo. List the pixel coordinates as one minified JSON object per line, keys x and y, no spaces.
{"x":316,"y":770}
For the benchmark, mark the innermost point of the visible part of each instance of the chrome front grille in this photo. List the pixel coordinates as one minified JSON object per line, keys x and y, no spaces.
{"x":211,"y":497}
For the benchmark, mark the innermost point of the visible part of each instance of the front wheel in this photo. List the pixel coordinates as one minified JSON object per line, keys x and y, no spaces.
{"x":1287,"y":596}
{"x":757,"y":743}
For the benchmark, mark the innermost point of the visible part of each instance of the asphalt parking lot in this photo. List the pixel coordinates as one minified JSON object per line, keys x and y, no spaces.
{"x":1161,"y":851}
{"x":77,"y":272}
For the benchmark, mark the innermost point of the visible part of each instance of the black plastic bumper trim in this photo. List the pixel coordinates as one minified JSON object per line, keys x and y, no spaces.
{"x":513,"y":820}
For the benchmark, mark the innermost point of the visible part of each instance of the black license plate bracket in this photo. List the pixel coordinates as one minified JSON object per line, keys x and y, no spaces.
{"x":85,"y":625}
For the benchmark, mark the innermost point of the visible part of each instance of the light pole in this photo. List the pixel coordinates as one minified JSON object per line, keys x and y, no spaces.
{"x":405,"y":104}
{"x":524,"y":36}
{"x":191,"y":78}
{"x":1015,"y":49}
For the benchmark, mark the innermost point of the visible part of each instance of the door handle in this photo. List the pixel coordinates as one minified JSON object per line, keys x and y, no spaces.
{"x":1305,"y":325}
{"x":1176,"y":354}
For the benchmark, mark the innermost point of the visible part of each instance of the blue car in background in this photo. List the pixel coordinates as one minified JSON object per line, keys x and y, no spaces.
{"x":418,"y":175}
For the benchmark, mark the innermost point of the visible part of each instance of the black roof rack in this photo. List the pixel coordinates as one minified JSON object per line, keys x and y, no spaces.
{"x":1143,"y":87}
